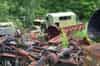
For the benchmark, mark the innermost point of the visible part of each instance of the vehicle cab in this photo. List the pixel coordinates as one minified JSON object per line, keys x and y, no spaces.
{"x":7,"y":28}
{"x":62,"y":18}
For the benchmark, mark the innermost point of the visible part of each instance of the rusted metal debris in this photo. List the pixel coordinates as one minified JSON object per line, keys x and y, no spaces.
{"x":72,"y":28}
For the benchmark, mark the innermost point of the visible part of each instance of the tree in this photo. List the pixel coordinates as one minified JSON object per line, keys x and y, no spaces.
{"x":26,"y":10}
{"x":82,"y":8}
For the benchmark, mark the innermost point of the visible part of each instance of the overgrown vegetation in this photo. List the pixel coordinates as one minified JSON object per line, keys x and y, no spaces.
{"x":82,"y":33}
{"x":26,"y":10}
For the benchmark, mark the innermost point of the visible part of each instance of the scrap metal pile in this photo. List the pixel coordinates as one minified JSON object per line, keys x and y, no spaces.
{"x":39,"y":53}
{"x":35,"y":52}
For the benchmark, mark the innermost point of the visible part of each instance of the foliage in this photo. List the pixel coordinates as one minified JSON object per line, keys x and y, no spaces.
{"x":27,"y":10}
{"x":64,"y":40}
{"x":83,"y":8}
{"x":82,"y":33}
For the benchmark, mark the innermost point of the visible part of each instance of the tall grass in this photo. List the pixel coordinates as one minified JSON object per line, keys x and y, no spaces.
{"x":82,"y":33}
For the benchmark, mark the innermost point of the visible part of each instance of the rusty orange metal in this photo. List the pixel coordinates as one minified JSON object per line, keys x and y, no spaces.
{"x":74,"y":28}
{"x":92,"y":55}
{"x":67,"y":30}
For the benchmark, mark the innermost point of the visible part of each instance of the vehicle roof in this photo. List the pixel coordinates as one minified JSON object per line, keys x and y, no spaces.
{"x":6,"y":23}
{"x":61,"y":14}
{"x":39,"y":20}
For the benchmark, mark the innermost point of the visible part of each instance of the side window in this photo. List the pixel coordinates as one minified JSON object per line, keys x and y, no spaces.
{"x":64,"y":17}
{"x":47,"y":18}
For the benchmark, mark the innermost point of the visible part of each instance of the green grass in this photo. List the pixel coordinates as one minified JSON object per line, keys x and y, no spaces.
{"x":79,"y":34}
{"x":82,"y":33}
